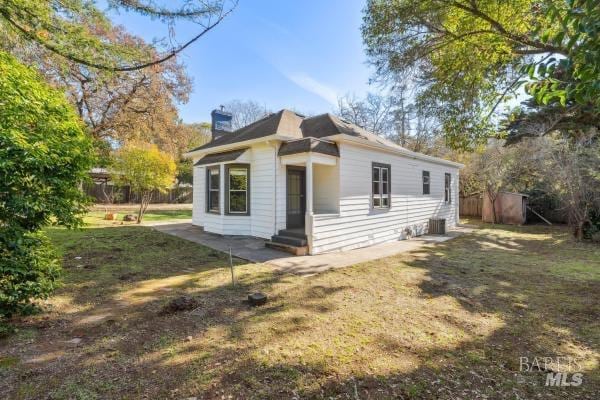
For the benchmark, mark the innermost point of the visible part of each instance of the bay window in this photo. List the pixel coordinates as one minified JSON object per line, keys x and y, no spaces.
{"x":237,"y":189}
{"x":212,"y":189}
{"x":381,"y":180}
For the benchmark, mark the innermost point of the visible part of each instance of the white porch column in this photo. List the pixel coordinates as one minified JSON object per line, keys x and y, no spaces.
{"x":309,"y":186}
{"x":222,"y":193}
{"x":309,"y":202}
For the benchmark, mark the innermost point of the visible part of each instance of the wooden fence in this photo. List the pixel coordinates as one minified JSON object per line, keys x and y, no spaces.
{"x":103,"y":193}
{"x":470,"y":206}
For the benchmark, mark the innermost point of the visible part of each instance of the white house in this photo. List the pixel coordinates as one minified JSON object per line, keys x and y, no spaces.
{"x":317,"y":184}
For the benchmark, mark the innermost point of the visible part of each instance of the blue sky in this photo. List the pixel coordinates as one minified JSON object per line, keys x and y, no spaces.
{"x":283,"y":54}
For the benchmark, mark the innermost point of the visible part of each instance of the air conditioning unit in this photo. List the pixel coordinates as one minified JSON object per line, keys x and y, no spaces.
{"x":437,"y":226}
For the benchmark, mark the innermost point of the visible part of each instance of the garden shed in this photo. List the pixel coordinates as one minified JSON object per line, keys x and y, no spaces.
{"x":511,"y":208}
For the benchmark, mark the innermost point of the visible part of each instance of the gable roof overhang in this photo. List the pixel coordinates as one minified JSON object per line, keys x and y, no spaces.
{"x":234,"y":146}
{"x":216,"y":158}
{"x":309,"y":145}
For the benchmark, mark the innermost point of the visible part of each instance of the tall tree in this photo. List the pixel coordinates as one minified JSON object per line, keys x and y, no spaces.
{"x":469,"y":56}
{"x":402,"y":116}
{"x":66,"y":28}
{"x":194,"y":135}
{"x":572,"y":175}
{"x":374,"y":113}
{"x":424,"y":138}
{"x":245,"y":112}
{"x":411,"y":125}
{"x":117,"y":107}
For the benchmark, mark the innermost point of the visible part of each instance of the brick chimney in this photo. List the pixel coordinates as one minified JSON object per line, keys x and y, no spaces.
{"x":221,"y":122}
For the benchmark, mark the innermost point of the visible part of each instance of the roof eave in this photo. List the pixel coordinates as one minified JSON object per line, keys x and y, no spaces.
{"x":407,"y":153}
{"x":233,"y":146}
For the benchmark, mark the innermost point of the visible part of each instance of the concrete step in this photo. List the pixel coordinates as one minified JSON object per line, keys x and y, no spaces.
{"x":292,"y":241}
{"x":297,"y":233}
{"x":295,"y":250}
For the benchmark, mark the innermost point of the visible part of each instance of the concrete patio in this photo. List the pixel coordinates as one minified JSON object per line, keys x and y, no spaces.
{"x":254,"y":250}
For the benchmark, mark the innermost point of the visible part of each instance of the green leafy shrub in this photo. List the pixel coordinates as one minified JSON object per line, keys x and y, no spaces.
{"x":29,"y":269}
{"x":592,"y":230}
{"x":45,"y":155}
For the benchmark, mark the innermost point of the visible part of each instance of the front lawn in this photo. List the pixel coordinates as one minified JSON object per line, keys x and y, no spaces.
{"x":450,"y":321}
{"x":96,"y":217}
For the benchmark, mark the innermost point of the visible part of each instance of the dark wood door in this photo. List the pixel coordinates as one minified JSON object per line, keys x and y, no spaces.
{"x":296,"y":197}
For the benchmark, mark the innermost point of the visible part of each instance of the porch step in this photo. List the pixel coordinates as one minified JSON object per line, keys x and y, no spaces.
{"x":295,"y":250}
{"x":291,"y":240}
{"x":297,"y":233}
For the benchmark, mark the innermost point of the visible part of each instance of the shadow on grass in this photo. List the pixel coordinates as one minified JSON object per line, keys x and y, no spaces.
{"x":446,"y":321}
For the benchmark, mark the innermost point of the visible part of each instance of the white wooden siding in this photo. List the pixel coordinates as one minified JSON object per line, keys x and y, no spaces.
{"x":326,"y":188}
{"x":358,"y":225}
{"x":198,"y":195}
{"x":262,"y":191}
{"x":260,"y":222}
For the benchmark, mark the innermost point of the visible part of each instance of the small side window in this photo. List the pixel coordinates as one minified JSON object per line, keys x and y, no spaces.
{"x":426,"y":182}
{"x":448,"y":188}
{"x":212,"y":189}
{"x":380,"y":182}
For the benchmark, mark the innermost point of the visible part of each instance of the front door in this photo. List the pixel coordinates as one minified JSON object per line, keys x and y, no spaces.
{"x":296,"y":199}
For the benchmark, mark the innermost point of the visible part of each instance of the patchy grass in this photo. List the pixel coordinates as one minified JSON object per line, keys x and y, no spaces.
{"x":447,"y":321}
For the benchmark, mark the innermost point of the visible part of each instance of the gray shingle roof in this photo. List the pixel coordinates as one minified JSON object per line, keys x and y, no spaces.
{"x":284,"y":122}
{"x":290,"y":124}
{"x":220,"y":157}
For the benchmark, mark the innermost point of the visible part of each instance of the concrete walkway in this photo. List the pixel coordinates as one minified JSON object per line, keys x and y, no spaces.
{"x":245,"y":247}
{"x":254,"y":250}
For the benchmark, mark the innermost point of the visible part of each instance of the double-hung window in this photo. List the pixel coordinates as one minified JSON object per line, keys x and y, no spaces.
{"x":381,"y":180}
{"x":448,"y":188}
{"x":426,"y":181}
{"x":237,"y":195}
{"x":212,"y":189}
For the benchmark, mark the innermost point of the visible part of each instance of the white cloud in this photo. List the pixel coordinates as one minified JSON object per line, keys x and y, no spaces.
{"x":310,"y":84}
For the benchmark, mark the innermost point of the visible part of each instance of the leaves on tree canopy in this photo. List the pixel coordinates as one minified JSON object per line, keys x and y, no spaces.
{"x":143,"y":168}
{"x":565,"y":90}
{"x":67,"y":28}
{"x":118,"y":107}
{"x":468,"y":56}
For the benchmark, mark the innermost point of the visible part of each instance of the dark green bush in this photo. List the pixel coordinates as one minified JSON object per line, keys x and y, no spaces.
{"x":45,"y":155}
{"x":29,"y":269}
{"x":592,"y":230}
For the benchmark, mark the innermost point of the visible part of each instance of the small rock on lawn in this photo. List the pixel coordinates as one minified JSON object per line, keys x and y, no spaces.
{"x":182,"y":303}
{"x":257,"y":299}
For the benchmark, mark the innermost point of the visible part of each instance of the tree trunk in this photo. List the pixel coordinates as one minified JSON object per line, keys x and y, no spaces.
{"x":140,"y":211}
{"x":580,"y":226}
{"x":146,"y":197}
{"x":493,"y":198}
